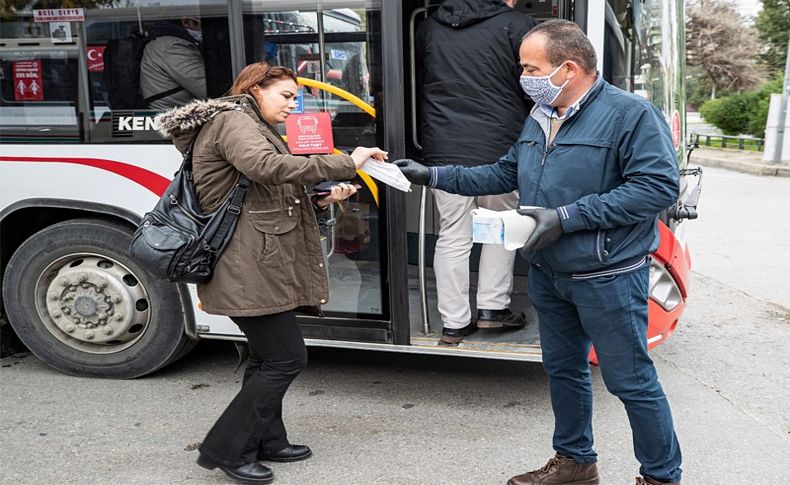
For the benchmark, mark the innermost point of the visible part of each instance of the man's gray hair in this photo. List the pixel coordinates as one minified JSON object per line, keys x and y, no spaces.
{"x":565,"y":41}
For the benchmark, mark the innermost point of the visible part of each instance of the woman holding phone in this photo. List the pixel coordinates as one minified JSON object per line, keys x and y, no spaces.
{"x":273,"y":264}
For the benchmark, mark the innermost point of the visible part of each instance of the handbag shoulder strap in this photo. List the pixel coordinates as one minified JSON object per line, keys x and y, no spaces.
{"x":233,"y":211}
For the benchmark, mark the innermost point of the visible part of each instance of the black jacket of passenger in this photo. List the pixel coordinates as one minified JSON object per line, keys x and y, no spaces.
{"x":472,"y":103}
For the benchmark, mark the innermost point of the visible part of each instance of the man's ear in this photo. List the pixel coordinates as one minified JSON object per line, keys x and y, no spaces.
{"x":573,"y":70}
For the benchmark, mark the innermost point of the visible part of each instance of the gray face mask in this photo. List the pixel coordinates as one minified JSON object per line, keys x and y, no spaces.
{"x":541,"y":89}
{"x":196,"y":34}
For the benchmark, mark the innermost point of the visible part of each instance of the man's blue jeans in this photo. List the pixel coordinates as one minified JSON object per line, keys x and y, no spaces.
{"x":610,"y":313}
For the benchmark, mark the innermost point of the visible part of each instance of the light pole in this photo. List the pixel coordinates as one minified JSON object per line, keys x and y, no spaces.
{"x":780,"y":129}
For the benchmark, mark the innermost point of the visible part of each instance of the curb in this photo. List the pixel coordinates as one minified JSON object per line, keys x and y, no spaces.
{"x":743,"y":166}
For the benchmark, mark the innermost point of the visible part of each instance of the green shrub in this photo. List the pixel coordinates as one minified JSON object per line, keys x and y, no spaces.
{"x":730,"y":114}
{"x":742,"y":113}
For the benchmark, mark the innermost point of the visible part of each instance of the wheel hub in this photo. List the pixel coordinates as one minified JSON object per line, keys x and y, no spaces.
{"x":89,"y":301}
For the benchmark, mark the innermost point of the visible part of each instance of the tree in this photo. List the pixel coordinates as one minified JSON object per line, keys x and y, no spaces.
{"x":773,"y":24}
{"x":722,"y":44}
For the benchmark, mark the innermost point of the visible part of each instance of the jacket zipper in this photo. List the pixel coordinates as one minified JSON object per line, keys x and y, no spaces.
{"x":547,"y":151}
{"x":598,"y":245}
{"x":268,"y":211}
{"x":290,"y":210}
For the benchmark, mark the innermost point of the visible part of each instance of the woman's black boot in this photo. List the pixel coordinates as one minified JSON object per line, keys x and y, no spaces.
{"x":250,"y":473}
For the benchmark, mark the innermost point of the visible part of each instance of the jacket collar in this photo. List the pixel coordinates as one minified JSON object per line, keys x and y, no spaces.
{"x":182,"y":124}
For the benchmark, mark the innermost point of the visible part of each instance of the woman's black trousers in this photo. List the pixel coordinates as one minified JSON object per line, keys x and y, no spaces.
{"x":252,"y":424}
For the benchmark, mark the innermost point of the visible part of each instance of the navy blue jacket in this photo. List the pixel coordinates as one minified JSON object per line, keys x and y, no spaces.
{"x":609,"y":171}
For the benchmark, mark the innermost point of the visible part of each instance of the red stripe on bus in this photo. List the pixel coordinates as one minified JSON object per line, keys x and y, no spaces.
{"x":150,"y":180}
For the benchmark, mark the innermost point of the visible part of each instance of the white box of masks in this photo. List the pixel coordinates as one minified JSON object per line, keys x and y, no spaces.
{"x":501,"y":227}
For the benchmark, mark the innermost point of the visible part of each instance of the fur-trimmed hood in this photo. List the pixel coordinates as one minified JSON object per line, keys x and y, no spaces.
{"x":182,"y":124}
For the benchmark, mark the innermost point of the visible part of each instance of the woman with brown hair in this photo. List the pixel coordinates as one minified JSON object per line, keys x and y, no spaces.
{"x":274,"y":263}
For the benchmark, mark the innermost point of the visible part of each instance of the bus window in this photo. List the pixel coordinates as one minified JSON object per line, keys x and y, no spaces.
{"x":654,"y":67}
{"x":38,"y":84}
{"x":344,"y":83}
{"x":147,"y":57}
{"x":618,"y":45}
{"x":542,"y":10}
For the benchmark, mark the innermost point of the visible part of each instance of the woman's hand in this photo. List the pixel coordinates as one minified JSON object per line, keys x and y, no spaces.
{"x":336,"y":194}
{"x":361,"y":155}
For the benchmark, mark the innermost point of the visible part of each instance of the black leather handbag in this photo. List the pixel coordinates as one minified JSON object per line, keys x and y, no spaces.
{"x":176,"y":241}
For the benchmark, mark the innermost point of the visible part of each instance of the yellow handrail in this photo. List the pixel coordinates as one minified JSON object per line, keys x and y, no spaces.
{"x":340,"y":92}
{"x":367,"y":108}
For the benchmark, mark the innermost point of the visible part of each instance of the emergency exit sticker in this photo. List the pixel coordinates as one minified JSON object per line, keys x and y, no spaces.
{"x":58,"y":15}
{"x":309,"y":133}
{"x":27,"y":79}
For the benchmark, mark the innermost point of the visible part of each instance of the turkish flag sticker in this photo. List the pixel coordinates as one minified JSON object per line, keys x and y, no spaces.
{"x":95,"y":56}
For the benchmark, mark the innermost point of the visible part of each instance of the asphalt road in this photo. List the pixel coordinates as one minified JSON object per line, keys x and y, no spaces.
{"x":392,"y":419}
{"x":742,"y":237}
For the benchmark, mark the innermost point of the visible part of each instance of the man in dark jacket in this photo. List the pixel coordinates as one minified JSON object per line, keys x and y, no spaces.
{"x":472,"y":110}
{"x":600,"y":164}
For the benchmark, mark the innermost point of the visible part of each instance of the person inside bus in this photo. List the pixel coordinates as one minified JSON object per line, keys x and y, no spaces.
{"x":601,"y":165}
{"x":172,"y":69}
{"x":273,"y":264}
{"x":472,"y":110}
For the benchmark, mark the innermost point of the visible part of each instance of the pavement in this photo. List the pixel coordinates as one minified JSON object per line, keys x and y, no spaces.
{"x":739,"y":160}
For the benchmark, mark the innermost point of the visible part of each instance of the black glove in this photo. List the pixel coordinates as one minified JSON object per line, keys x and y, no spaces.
{"x":415,"y":172}
{"x":547,"y":230}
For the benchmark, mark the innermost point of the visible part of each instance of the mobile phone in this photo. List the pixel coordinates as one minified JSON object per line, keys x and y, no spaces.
{"x":325,"y":188}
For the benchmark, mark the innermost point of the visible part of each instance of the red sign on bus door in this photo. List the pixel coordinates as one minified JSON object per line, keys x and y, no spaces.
{"x":309,"y":133}
{"x":675,"y":128}
{"x":28,"y":85}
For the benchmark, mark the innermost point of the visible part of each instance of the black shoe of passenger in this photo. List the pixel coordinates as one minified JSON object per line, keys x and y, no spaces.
{"x":499,"y":319}
{"x":288,"y":454}
{"x":250,"y":473}
{"x":455,"y":335}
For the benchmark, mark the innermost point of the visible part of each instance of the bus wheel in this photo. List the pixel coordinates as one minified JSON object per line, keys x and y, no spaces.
{"x":81,"y":304}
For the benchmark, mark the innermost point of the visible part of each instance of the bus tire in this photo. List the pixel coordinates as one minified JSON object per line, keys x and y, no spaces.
{"x":80,"y":303}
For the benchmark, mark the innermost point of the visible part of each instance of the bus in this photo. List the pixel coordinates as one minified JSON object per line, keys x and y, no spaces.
{"x":77,"y":173}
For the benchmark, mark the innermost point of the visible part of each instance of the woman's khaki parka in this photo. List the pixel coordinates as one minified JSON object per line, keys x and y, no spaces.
{"x":274,"y":260}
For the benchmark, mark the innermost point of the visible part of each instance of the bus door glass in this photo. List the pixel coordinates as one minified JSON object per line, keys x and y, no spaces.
{"x":334,"y":48}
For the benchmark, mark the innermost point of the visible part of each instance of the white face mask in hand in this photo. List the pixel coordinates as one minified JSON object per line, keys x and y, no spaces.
{"x":196,"y":34}
{"x":541,"y":89}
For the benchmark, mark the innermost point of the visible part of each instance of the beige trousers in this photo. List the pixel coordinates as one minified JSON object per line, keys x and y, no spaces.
{"x":451,"y":260}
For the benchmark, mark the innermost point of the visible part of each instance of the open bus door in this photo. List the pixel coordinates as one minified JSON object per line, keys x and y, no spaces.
{"x":624,"y":40}
{"x":338,"y":57}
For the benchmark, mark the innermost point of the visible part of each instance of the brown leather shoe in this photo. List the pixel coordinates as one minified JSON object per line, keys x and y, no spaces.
{"x":652,"y":481}
{"x":560,"y":470}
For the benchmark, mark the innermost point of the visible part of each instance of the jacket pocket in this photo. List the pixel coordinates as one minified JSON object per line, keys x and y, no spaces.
{"x":275,"y":226}
{"x":602,"y":240}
